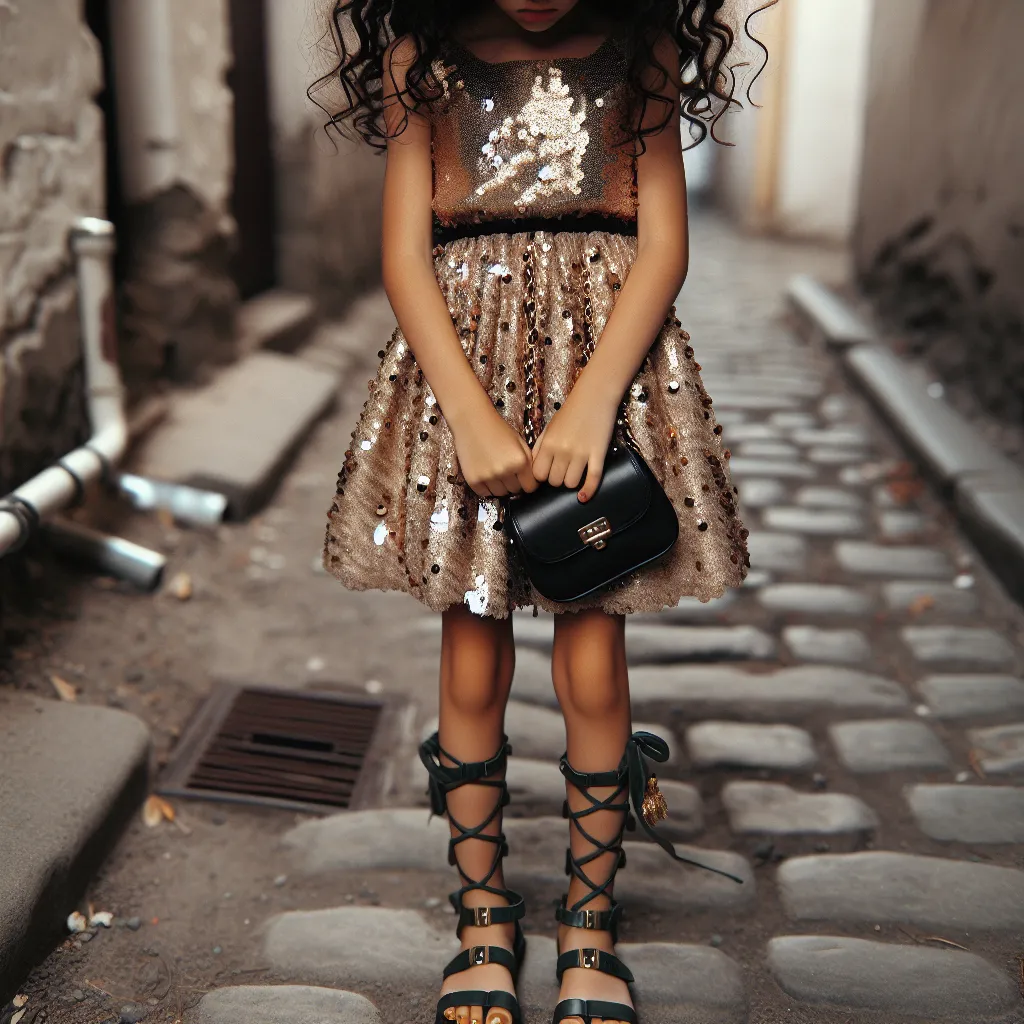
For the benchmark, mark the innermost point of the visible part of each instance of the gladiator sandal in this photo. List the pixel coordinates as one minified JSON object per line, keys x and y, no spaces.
{"x":443,"y":779}
{"x":635,"y":791}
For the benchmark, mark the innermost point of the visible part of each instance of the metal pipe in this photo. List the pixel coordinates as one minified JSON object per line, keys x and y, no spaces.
{"x":112,"y":555}
{"x":147,"y":117}
{"x":92,"y":241}
{"x":187,"y":504}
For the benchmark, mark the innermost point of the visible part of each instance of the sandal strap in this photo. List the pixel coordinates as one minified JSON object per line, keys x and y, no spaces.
{"x":597,"y":959}
{"x":444,"y":778}
{"x":595,"y":920}
{"x":483,"y":917}
{"x":476,"y":956}
{"x":498,"y":999}
{"x":588,"y":1009}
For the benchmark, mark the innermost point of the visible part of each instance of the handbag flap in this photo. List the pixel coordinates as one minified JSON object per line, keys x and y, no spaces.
{"x":548,"y":522}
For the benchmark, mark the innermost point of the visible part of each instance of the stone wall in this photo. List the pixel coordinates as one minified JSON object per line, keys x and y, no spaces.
{"x":940,"y":239}
{"x":51,"y":171}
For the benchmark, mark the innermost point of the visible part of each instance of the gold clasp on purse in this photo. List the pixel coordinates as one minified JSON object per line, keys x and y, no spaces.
{"x":595,"y":533}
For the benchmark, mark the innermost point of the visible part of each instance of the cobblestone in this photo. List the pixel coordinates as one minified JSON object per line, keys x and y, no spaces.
{"x":794,"y":420}
{"x":905,"y":889}
{"x":814,"y":599}
{"x":888,"y":745}
{"x":855,"y":973}
{"x":845,"y":646}
{"x":691,"y":609}
{"x":964,"y":696}
{"x":782,"y":552}
{"x":1001,"y":749}
{"x":359,"y":947}
{"x":813,"y":521}
{"x":835,"y":456}
{"x":865,"y":559}
{"x":740,"y":433}
{"x":803,"y":689}
{"x":816,"y":496}
{"x":776,"y":809}
{"x":740,"y":745}
{"x":898,"y":523}
{"x":285,"y":1004}
{"x":758,"y":493}
{"x":768,"y":450}
{"x":958,"y":644}
{"x":944,"y":598}
{"x":743,"y":467}
{"x":969,"y":814}
{"x":835,"y":437}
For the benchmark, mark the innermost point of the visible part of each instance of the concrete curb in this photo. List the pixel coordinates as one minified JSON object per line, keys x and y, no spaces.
{"x":72,"y":776}
{"x":986,"y":489}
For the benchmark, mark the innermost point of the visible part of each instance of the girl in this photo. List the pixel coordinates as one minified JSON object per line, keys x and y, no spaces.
{"x":534,"y":205}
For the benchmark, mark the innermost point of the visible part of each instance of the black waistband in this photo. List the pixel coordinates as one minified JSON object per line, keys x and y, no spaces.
{"x":529,"y":225}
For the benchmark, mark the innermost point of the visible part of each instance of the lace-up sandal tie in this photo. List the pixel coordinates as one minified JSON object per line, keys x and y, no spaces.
{"x":443,"y":779}
{"x":636,"y":796}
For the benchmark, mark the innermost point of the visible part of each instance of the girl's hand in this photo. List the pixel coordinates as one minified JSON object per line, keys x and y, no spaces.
{"x":494,"y":459}
{"x":576,"y":441}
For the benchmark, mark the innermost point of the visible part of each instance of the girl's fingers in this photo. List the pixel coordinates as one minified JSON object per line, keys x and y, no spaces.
{"x":497,"y":488}
{"x":541,"y":463}
{"x":595,"y":470}
{"x":574,"y":474}
{"x":527,"y":481}
{"x":556,"y":474}
{"x":511,"y":483}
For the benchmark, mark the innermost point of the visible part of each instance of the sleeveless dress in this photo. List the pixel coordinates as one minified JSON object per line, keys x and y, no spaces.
{"x":535,"y":205}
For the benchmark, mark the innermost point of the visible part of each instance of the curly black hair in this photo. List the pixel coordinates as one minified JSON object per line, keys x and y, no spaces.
{"x":706,"y":33}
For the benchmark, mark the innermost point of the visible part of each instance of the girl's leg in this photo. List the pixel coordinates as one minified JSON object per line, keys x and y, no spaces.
{"x":477,"y":661}
{"x":591,"y":680}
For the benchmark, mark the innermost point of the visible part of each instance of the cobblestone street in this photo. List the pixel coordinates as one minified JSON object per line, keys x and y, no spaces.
{"x":847,"y":735}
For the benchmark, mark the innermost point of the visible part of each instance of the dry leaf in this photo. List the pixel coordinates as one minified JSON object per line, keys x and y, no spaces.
{"x":156,"y":810}
{"x":921,"y":604}
{"x":64,"y":689}
{"x":19,"y":1001}
{"x":181,"y":586}
{"x":77,"y":922}
{"x":945,"y":942}
{"x":17,"y":1017}
{"x":974,"y":760}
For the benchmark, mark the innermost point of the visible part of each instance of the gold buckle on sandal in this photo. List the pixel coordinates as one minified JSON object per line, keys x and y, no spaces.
{"x":588,"y":957}
{"x":482,"y":917}
{"x":478,"y":955}
{"x":591,"y":919}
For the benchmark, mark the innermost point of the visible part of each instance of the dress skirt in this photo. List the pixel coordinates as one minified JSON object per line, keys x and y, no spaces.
{"x":403,"y":517}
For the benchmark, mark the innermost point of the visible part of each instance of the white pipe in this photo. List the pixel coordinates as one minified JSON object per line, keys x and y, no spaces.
{"x":61,"y":484}
{"x":147,"y":117}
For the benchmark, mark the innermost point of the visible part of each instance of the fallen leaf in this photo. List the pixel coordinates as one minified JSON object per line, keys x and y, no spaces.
{"x":64,"y":689}
{"x":974,"y":760}
{"x":19,"y":1001}
{"x":17,"y":1017}
{"x":77,"y":922}
{"x":156,"y":810}
{"x":921,"y":604}
{"x":181,"y":586}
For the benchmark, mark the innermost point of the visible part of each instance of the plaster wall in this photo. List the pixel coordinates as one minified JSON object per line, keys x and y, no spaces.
{"x":328,"y":206}
{"x":940,"y":236}
{"x":51,"y":171}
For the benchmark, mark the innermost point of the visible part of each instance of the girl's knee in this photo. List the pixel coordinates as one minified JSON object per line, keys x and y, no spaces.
{"x":476,"y":678}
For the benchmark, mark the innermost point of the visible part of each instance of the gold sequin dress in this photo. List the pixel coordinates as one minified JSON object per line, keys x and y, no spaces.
{"x":535,"y":207}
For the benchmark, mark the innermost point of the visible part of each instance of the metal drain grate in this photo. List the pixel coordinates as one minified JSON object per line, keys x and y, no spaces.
{"x":305,"y":751}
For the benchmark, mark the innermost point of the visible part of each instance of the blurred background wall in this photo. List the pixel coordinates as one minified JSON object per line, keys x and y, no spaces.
{"x":940,"y":236}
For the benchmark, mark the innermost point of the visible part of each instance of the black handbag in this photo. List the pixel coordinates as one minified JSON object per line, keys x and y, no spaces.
{"x":570,"y":548}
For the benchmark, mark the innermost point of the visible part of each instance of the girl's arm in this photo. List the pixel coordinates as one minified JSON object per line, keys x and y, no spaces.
{"x":493,"y":459}
{"x":578,"y":436}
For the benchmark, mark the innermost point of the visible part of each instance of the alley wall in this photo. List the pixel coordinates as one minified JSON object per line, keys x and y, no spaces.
{"x":940,"y":238}
{"x":51,"y":171}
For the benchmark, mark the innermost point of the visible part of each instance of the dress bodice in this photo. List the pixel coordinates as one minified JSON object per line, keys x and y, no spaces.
{"x":532,"y":138}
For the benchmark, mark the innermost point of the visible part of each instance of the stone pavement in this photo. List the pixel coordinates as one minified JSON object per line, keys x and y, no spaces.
{"x":848,"y":733}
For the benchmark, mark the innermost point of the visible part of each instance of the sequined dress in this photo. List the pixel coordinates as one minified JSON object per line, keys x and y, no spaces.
{"x":535,"y":205}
